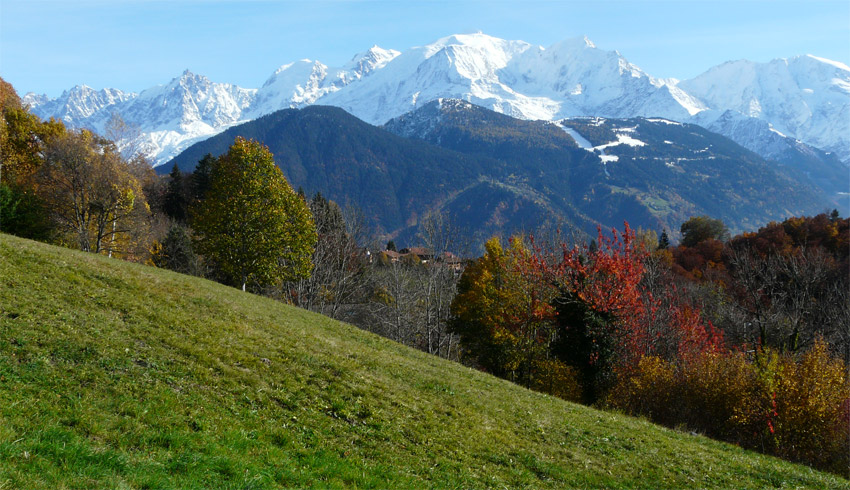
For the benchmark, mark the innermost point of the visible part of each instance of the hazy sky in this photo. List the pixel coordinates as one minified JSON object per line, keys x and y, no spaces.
{"x":47,"y":46}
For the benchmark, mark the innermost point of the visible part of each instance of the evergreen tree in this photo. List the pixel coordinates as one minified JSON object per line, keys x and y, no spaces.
{"x":327,"y":216}
{"x":174,"y":203}
{"x":663,"y":240}
{"x":177,"y":253}
{"x":251,"y":224}
{"x":201,"y":177}
{"x":391,"y":246}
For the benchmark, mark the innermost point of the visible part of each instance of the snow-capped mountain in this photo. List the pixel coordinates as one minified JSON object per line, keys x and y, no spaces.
{"x":572,"y":78}
{"x":167,"y":117}
{"x":75,"y":106}
{"x":804,"y":98}
{"x":187,"y":109}
{"x":304,"y":82}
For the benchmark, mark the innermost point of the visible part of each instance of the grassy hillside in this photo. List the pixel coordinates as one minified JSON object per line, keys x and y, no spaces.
{"x":115,"y":375}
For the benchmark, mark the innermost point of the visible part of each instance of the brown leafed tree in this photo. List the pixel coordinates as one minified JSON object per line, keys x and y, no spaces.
{"x":95,"y":199}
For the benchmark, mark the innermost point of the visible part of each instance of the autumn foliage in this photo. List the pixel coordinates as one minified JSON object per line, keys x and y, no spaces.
{"x":609,"y":325}
{"x":503,"y":313}
{"x":579,"y":308}
{"x":795,"y":407}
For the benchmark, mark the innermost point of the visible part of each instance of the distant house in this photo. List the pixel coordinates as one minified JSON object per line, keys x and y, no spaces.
{"x":451,"y":260}
{"x":424,"y":256}
{"x":423,"y":253}
{"x":392,"y":255}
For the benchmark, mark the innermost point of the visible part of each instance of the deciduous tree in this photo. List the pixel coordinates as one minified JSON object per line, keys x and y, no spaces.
{"x":503,"y":312}
{"x":23,"y":137}
{"x":252,"y":225}
{"x":92,"y":191}
{"x":338,"y":266}
{"x":701,"y":228}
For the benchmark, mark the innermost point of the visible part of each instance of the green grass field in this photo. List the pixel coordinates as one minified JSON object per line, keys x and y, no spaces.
{"x":116,"y":375}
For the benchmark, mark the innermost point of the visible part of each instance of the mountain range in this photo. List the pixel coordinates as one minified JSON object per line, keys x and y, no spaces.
{"x":780,"y":110}
{"x":495,"y":175}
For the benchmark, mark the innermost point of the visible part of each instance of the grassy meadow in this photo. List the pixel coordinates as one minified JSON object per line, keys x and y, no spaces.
{"x":118,"y":375}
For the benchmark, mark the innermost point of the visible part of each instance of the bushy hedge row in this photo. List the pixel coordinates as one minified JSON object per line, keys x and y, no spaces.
{"x":794,"y":407}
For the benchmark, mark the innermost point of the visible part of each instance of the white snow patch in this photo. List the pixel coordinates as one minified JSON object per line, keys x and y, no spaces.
{"x":754,"y":108}
{"x":665,"y":121}
{"x":623,"y":139}
{"x":628,"y":140}
{"x":668,"y":142}
{"x":582,"y":142}
{"x":777,"y":132}
{"x":609,"y":158}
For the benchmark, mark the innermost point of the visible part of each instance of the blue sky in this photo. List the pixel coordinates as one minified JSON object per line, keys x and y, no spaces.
{"x":47,"y":46}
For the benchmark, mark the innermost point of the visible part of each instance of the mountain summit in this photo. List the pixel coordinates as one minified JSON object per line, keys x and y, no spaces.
{"x":805,"y":98}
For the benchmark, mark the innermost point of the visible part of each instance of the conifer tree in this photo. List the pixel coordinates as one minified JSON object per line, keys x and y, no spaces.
{"x":174,"y":202}
{"x":663,"y":241}
{"x":201,"y":177}
{"x":176,"y":252}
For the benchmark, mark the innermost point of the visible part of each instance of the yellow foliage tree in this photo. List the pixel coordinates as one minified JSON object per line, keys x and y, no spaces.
{"x":251,"y":224}
{"x":503,"y":315}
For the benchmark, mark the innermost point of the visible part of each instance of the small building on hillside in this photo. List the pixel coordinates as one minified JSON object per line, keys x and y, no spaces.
{"x":423,"y":253}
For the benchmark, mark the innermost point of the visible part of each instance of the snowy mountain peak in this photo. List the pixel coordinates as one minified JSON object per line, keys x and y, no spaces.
{"x":572,"y":44}
{"x":804,"y":97}
{"x":188,"y":79}
{"x":374,"y":58}
{"x":299,"y":69}
{"x":836,"y":64}
{"x":477,"y":43}
{"x":33,"y":99}
{"x":75,"y":106}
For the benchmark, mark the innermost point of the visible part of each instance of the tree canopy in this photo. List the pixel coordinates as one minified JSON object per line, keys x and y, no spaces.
{"x":252,"y":225}
{"x":700,"y":228}
{"x":94,"y":196}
